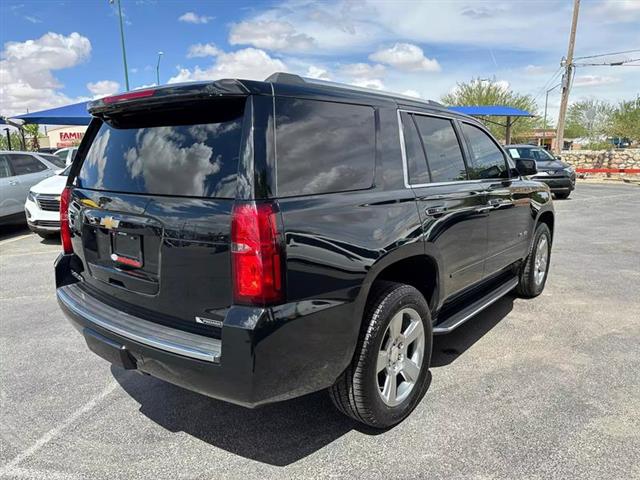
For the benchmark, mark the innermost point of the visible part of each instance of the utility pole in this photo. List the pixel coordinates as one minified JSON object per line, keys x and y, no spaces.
{"x":566,"y":79}
{"x":124,"y":52}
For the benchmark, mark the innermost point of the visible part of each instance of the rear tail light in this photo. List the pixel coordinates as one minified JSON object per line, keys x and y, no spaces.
{"x":256,"y":254}
{"x":65,"y":229}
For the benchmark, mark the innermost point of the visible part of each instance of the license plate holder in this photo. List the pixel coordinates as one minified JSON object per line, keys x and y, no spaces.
{"x":126,"y":249}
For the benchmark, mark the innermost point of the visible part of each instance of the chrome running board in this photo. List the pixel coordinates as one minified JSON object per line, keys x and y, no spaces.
{"x":458,"y":318}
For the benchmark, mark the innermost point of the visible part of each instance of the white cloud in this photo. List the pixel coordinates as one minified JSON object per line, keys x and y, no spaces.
{"x":26,"y":78}
{"x":362,"y":70}
{"x":406,"y":56}
{"x":248,"y":63}
{"x":411,"y":93}
{"x":593,"y":80}
{"x":317,"y":72}
{"x":619,"y":10}
{"x":203,"y":50}
{"x":270,"y":35}
{"x":192,"y":17}
{"x":535,"y":70}
{"x":374,"y":83}
{"x":103,"y":88}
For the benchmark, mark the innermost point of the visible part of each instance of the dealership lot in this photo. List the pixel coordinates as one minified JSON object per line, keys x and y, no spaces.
{"x":543,"y":388}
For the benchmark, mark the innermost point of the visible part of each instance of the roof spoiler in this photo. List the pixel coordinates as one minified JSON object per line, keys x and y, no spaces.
{"x":178,"y":92}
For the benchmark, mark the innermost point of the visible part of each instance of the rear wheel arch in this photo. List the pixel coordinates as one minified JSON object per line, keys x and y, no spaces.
{"x":548,"y":219}
{"x":411,"y":267}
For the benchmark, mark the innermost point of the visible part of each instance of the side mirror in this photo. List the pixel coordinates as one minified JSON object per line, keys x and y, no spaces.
{"x":526,"y":167}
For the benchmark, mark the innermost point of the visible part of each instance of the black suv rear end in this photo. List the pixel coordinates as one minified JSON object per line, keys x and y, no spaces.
{"x":242,"y":239}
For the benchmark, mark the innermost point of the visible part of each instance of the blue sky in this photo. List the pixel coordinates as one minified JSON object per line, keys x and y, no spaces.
{"x":55,"y":52}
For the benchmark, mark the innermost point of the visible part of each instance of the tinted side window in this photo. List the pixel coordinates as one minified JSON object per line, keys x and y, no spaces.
{"x":25,"y":164}
{"x":323,"y":147}
{"x":62,"y":154}
{"x":416,"y":161}
{"x":486,"y":158}
{"x":5,"y":170}
{"x":441,"y":145}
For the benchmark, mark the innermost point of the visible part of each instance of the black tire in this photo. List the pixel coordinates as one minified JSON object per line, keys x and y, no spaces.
{"x":528,"y":287}
{"x":562,"y":195}
{"x":356,"y":392}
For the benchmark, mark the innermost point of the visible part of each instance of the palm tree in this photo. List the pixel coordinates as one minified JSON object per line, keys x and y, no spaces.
{"x":33,"y":130}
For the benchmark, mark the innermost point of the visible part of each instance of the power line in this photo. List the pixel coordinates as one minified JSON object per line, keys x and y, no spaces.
{"x":607,"y":54}
{"x":607,"y":64}
{"x":547,"y":83}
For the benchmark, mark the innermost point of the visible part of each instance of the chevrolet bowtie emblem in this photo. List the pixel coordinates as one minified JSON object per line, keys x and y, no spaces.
{"x":109,"y":222}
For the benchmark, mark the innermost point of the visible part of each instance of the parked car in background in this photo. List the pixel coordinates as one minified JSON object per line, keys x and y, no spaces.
{"x":67,"y":154}
{"x":19,"y":171}
{"x":258,"y":241}
{"x":47,"y":150}
{"x":55,"y":159}
{"x":558,"y":175}
{"x":42,"y":206}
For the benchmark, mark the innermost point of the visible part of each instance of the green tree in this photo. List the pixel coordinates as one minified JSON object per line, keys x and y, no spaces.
{"x":625,"y":120}
{"x":589,"y":119}
{"x":32,"y":131}
{"x":492,"y":92}
{"x":16,"y":140}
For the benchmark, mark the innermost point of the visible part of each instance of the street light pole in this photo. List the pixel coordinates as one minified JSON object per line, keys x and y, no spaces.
{"x":8,"y":138}
{"x":158,"y":68}
{"x":544,"y":122}
{"x":124,"y":52}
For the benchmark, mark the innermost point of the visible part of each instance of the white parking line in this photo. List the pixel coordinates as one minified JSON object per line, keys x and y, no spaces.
{"x":48,"y":252}
{"x":14,"y":239}
{"x":30,"y":473}
{"x":55,"y":431}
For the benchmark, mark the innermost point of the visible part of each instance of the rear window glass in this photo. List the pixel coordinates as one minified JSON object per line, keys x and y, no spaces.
{"x":149,"y":154}
{"x":53,"y":159}
{"x":323,"y":147}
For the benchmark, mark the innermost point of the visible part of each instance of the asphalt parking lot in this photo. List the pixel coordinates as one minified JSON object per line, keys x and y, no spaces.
{"x":543,"y":388}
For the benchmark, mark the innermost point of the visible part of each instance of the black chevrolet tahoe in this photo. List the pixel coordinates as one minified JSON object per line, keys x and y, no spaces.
{"x":258,"y":241}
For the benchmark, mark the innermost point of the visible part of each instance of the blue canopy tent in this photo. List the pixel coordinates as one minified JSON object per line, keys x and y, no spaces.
{"x":75,"y":114}
{"x":495,"y":111}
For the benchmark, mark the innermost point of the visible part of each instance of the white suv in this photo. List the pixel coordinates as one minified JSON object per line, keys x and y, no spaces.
{"x":43,"y":204}
{"x":66,"y":154}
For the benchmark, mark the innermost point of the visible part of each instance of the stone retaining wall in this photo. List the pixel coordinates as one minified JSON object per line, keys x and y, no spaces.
{"x":626,"y":158}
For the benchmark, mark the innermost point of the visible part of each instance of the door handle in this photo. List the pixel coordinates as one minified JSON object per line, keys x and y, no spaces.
{"x":435,"y":211}
{"x":499,"y":202}
{"x":13,"y":182}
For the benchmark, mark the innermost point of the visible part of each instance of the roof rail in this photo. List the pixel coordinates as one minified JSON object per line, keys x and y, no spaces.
{"x":293,"y":79}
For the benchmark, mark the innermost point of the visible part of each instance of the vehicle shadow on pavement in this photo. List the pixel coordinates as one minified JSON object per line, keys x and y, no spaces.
{"x":277,"y":434}
{"x":446,"y":348}
{"x":285,"y":432}
{"x":10,"y":231}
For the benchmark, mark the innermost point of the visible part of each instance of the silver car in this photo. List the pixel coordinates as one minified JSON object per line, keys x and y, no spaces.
{"x":19,"y":171}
